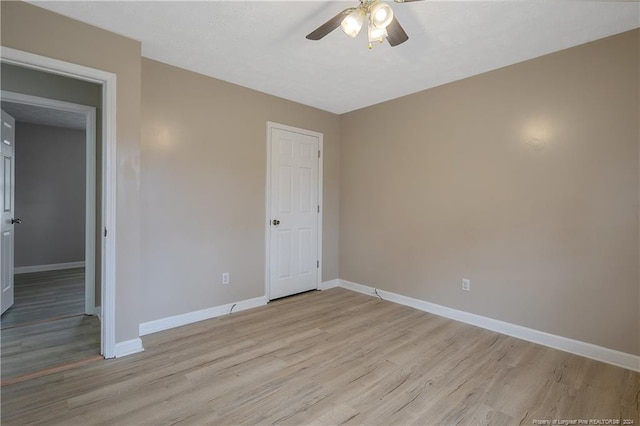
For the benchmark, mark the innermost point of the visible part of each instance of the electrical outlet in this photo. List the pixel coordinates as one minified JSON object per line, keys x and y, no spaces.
{"x":466,"y":284}
{"x":225,"y":278}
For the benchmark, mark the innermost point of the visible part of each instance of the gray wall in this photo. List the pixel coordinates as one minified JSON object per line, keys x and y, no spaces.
{"x":50,"y":195}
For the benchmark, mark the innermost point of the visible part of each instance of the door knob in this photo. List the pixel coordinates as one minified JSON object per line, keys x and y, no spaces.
{"x":276,"y":222}
{"x":16,"y":220}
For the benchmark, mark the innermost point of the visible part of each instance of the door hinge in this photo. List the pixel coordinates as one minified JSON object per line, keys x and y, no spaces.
{"x":318,"y":208}
{"x":317,"y":264}
{"x":318,"y":153}
{"x":105,"y":232}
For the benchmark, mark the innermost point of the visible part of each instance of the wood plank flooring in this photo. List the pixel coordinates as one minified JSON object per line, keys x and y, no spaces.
{"x":46,"y":327}
{"x":331,"y":357}
{"x":37,"y":347}
{"x":41,"y":296}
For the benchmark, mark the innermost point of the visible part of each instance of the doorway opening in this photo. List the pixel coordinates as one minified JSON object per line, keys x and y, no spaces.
{"x":105,"y":234}
{"x":58,"y":188}
{"x":54,"y":253}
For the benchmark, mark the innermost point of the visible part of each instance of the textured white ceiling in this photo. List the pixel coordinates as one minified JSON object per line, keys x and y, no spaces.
{"x":45,"y":116}
{"x":262,"y":45}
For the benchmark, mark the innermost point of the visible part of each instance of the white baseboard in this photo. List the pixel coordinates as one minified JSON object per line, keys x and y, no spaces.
{"x":51,"y":267}
{"x":588,"y":350}
{"x":129,"y":347}
{"x":329,"y":284}
{"x":97,"y":311}
{"x":195,"y":316}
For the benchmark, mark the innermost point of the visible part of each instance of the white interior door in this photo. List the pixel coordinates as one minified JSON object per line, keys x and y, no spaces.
{"x":7,"y":198}
{"x":294,"y":206}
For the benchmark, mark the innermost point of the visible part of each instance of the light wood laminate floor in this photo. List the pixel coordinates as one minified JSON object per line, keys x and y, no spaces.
{"x":41,"y":296}
{"x":329,"y":357}
{"x":46,"y":327}
{"x":32,"y":348}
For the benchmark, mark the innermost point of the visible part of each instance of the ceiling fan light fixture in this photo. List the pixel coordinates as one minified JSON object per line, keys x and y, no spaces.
{"x":381,"y":14}
{"x":376,"y":33}
{"x":352,"y":24}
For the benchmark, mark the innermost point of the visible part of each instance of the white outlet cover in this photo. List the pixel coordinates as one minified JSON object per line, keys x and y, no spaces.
{"x":466,"y":284}
{"x":225,"y":278}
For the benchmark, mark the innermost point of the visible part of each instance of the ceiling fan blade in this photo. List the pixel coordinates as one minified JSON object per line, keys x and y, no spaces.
{"x":330,"y":25}
{"x":396,"y":34}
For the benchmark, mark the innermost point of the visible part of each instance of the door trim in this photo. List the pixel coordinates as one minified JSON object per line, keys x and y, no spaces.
{"x":90,"y":183}
{"x":267,"y":270}
{"x":108,"y":81}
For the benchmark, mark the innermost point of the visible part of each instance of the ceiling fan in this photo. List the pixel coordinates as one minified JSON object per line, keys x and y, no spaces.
{"x":382,"y":24}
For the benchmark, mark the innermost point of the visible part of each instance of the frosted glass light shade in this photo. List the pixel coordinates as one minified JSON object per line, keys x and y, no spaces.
{"x":381,"y":15}
{"x":375,"y":33}
{"x":352,"y":24}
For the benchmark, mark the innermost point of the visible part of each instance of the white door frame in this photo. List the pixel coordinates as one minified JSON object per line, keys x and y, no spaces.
{"x":109,"y":173}
{"x":90,"y":182}
{"x":267,"y":221}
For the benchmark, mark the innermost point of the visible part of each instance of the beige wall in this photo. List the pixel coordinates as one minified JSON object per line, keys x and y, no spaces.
{"x":524,"y":180}
{"x":35,"y":30}
{"x":203,"y":188}
{"x":52,"y":86}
